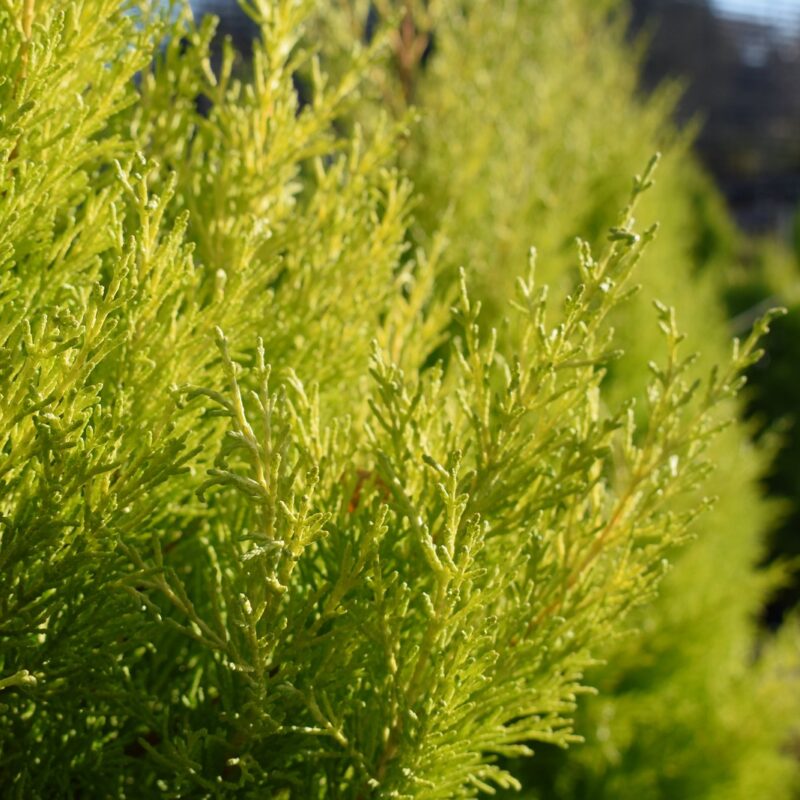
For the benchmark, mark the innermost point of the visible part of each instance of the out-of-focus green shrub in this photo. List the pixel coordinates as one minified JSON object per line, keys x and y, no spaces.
{"x":769,"y":275}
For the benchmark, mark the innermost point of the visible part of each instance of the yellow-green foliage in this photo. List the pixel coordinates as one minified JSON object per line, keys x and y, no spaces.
{"x":529,"y":121}
{"x":273,"y":521}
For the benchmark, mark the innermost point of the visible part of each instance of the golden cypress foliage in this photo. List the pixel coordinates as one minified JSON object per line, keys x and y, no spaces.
{"x":275,"y":521}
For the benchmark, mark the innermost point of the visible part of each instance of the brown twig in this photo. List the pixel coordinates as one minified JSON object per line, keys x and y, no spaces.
{"x":409,"y":46}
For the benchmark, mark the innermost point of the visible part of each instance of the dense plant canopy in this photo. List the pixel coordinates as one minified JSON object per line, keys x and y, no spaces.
{"x":282,"y":512}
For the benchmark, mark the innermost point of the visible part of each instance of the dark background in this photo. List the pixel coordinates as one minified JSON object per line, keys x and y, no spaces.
{"x":742,"y":80}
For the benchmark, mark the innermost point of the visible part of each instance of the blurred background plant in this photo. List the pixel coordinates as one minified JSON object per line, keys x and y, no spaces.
{"x":739,"y":64}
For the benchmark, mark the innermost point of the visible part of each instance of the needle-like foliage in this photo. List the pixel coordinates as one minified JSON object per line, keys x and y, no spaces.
{"x":273,"y":521}
{"x":529,"y":119}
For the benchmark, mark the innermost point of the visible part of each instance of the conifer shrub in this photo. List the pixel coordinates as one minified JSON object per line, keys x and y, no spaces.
{"x":529,"y":118}
{"x":280,"y":515}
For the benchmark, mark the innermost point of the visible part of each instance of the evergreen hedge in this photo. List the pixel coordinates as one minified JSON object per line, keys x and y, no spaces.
{"x":282,"y":513}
